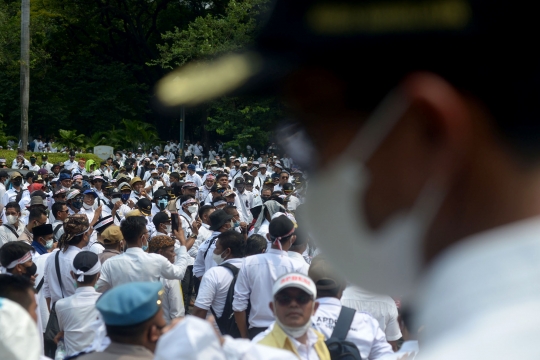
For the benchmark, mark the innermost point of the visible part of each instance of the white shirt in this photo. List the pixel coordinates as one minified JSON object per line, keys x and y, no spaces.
{"x":75,"y":314}
{"x":244,"y":202}
{"x":51,"y":286}
{"x":300,"y":259}
{"x":194,"y":178}
{"x":136,"y":265}
{"x":215,"y":286}
{"x":479,"y":300}
{"x":255,"y":281}
{"x":364,"y":332}
{"x":202,"y":263}
{"x":306,"y":351}
{"x":7,"y":235}
{"x":173,"y":302}
{"x":381,"y":307}
{"x":293,"y":203}
{"x":204,"y":233}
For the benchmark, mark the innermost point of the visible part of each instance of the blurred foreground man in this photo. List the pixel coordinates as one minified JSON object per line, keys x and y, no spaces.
{"x":439,"y":151}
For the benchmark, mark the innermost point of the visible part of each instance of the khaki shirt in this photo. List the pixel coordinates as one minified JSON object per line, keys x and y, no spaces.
{"x":26,"y":236}
{"x":117,"y":351}
{"x":107,"y":254}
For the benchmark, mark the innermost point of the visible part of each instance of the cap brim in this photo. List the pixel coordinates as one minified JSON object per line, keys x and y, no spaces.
{"x":199,"y":82}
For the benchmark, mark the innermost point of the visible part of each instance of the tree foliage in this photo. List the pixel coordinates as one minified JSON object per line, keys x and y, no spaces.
{"x":94,"y":63}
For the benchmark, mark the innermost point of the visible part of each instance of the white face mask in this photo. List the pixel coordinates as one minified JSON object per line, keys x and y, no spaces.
{"x":168,"y":229}
{"x":217,"y":258}
{"x":86,"y":206}
{"x":49,"y":244}
{"x":294,"y":332}
{"x":12,"y":219}
{"x":193,"y":209}
{"x":387,"y":260}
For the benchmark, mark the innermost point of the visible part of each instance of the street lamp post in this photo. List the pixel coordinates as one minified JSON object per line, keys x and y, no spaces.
{"x":25,"y":70}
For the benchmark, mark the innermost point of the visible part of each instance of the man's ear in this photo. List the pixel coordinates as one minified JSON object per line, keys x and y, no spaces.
{"x":73,"y":275}
{"x":315,"y":307}
{"x":268,"y":236}
{"x":153,"y":334}
{"x":293,"y":239}
{"x":271,"y":305}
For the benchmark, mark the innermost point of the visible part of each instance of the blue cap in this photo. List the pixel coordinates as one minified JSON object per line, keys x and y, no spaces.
{"x":130,"y":304}
{"x":90,"y":192}
{"x":64,"y":176}
{"x":191,"y":167}
{"x":275,"y":176}
{"x":160,"y":165}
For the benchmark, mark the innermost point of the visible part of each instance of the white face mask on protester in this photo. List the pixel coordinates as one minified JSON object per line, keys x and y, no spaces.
{"x":86,"y":206}
{"x":193,"y":209}
{"x":294,"y":332}
{"x":12,"y":219}
{"x":168,"y":229}
{"x":217,"y":258}
{"x":386,"y":260}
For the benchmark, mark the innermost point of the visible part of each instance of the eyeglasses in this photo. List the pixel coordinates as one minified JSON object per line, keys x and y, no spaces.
{"x":285,"y":300}
{"x":285,"y":177}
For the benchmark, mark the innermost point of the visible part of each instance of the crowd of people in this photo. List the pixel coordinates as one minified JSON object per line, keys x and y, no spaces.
{"x":201,"y":236}
{"x":419,"y":180}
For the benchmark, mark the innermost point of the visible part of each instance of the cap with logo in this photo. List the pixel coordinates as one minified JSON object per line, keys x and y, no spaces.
{"x":295,"y":280}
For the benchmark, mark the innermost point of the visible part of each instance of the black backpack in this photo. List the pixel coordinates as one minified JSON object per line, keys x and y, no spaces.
{"x":227,"y":323}
{"x":339,"y":348}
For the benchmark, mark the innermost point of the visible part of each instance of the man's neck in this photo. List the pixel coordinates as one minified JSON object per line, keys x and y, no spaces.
{"x":303,"y":339}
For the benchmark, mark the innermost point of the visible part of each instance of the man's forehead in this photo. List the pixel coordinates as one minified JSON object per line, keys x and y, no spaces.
{"x":292,"y":291}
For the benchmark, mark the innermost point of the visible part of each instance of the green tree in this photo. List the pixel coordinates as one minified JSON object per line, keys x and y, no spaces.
{"x":241,"y":121}
{"x":70,"y":139}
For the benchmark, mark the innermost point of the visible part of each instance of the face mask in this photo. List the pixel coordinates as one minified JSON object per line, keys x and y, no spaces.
{"x":86,"y":206}
{"x":192,"y":209}
{"x":12,"y":219}
{"x":145,"y":247}
{"x":49,"y":244}
{"x":65,"y":188}
{"x":118,"y":158}
{"x":77,"y":204}
{"x":236,"y":224}
{"x":125,"y":197}
{"x":30,"y":271}
{"x":168,"y":229}
{"x":265,"y":198}
{"x":386,"y":260}
{"x":217,"y":258}
{"x":17,"y":183}
{"x":162,"y":204}
{"x":294,"y":332}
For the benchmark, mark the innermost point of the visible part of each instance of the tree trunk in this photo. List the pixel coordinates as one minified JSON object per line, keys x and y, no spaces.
{"x":25,"y":70}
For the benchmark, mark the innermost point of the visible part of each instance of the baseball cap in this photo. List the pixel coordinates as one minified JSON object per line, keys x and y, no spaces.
{"x":295,"y":280}
{"x":112,"y":235}
{"x":324,"y":276}
{"x":145,"y":206}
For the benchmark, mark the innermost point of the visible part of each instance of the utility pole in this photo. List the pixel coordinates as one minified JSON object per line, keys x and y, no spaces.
{"x":182,"y":131}
{"x":25,"y":70}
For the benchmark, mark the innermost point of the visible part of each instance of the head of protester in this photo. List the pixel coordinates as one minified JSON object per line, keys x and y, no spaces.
{"x":16,"y":258}
{"x":133,"y":316}
{"x":85,"y":268}
{"x":135,"y":233}
{"x":163,"y":245}
{"x":293,"y":304}
{"x":77,"y":232}
{"x":221,"y":221}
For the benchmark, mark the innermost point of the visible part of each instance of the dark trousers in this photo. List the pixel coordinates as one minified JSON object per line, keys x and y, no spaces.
{"x":187,"y":286}
{"x":254,"y":331}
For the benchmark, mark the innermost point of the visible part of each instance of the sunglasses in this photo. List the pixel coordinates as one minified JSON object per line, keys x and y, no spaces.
{"x":285,"y":300}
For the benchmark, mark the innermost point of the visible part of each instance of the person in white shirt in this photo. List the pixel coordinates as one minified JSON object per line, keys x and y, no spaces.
{"x":71,"y":163}
{"x":299,"y":248}
{"x":294,"y":294}
{"x":16,"y":187}
{"x":205,"y":190}
{"x":258,"y":274}
{"x":217,"y":281}
{"x":77,"y":312}
{"x":172,"y":301}
{"x":20,"y":161}
{"x":4,"y":176}
{"x":382,"y":307}
{"x":33,"y":166}
{"x":283,"y":179}
{"x":364,"y":330}
{"x":137,"y":265}
{"x":192,"y":176}
{"x":13,"y":227}
{"x":197,"y":149}
{"x":60,"y":213}
{"x":77,"y":232}
{"x":243,"y":200}
{"x":220,"y":222}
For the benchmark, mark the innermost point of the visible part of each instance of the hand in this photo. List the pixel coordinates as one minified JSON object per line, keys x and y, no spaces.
{"x":131,"y":204}
{"x":99,"y":210}
{"x":117,"y":205}
{"x":198,"y":223}
{"x":143,"y":193}
{"x":179,"y":235}
{"x":33,"y":279}
{"x":243,"y":224}
{"x":58,"y":336}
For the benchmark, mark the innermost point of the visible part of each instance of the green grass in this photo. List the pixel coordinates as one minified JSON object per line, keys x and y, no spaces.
{"x":9,"y":155}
